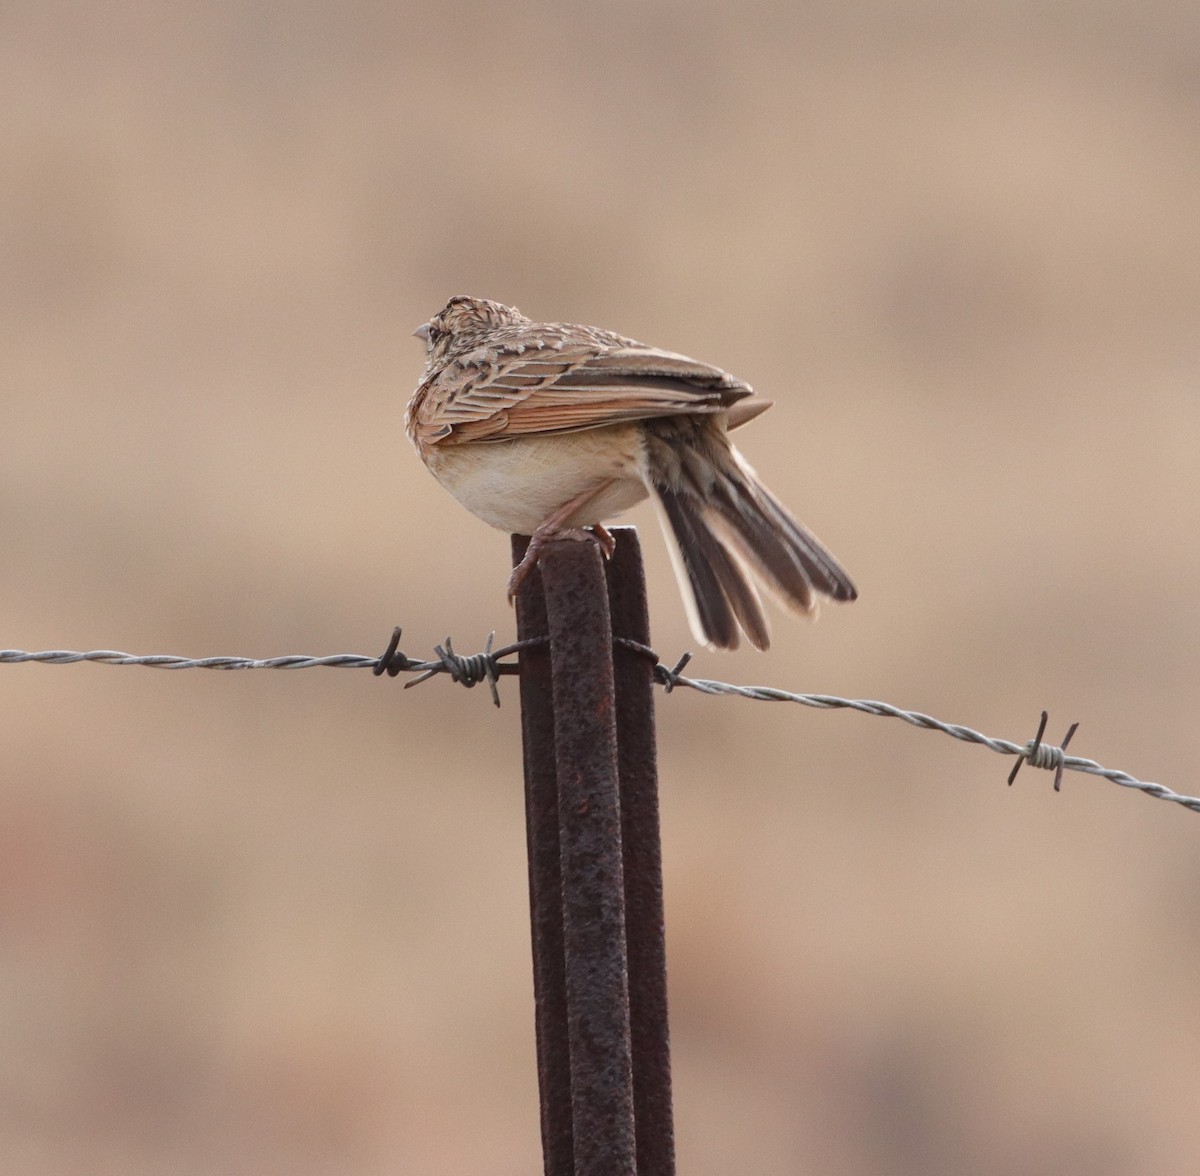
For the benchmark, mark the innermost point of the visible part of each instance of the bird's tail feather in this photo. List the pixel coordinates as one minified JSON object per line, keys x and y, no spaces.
{"x":730,"y":531}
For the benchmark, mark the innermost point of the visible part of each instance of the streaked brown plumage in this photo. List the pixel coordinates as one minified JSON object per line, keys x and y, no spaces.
{"x":544,"y":429}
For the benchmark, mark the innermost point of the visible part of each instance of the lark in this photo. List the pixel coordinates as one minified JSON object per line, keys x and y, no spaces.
{"x":549,"y":429}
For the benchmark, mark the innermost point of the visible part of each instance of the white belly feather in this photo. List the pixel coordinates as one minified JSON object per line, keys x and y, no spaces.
{"x":516,"y":484}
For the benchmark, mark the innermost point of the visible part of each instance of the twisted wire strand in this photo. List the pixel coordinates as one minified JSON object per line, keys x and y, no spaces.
{"x":166,"y":661}
{"x":487,"y":666}
{"x":1035,"y":753}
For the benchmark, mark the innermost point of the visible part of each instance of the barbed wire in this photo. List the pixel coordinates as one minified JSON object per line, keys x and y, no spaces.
{"x":471,"y":669}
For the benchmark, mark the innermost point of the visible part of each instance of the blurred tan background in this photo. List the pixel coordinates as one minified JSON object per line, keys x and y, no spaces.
{"x":269,"y":923}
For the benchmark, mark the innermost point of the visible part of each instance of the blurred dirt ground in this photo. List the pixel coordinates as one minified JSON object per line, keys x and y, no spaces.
{"x":269,"y":923}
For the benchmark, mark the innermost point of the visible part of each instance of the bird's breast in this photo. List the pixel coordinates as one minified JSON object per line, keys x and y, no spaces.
{"x":516,"y":484}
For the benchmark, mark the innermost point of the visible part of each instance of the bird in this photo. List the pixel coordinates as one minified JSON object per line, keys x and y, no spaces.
{"x":548,"y":429}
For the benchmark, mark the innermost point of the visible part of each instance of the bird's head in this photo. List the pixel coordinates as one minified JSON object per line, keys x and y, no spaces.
{"x":462,"y":319}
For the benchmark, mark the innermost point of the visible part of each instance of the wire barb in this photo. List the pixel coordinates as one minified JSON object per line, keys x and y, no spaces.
{"x":467,"y":670}
{"x":391,"y":661}
{"x":670,"y":678}
{"x":1044,"y":755}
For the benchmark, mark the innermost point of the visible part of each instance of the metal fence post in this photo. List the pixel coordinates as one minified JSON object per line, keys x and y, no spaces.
{"x":594,"y":865}
{"x":641,"y":842}
{"x":545,"y":881}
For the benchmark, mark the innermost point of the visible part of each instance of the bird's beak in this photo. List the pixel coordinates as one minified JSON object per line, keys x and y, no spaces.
{"x":422,"y":333}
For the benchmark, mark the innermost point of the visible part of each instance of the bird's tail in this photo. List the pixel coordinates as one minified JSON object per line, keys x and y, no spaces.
{"x":725,"y":530}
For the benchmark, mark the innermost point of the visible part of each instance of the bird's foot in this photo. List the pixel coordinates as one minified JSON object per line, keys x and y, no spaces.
{"x":544,"y":535}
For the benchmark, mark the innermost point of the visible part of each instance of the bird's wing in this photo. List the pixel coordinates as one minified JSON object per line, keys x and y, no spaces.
{"x":556,"y":388}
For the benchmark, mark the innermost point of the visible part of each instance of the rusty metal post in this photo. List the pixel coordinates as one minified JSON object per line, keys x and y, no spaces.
{"x":644,"y":921}
{"x":593,"y":888}
{"x":592,"y":896}
{"x":595,"y":864}
{"x":545,"y":880}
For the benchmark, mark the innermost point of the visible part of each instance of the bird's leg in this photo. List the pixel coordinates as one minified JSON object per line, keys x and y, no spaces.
{"x":553,"y":528}
{"x":604,"y":537}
